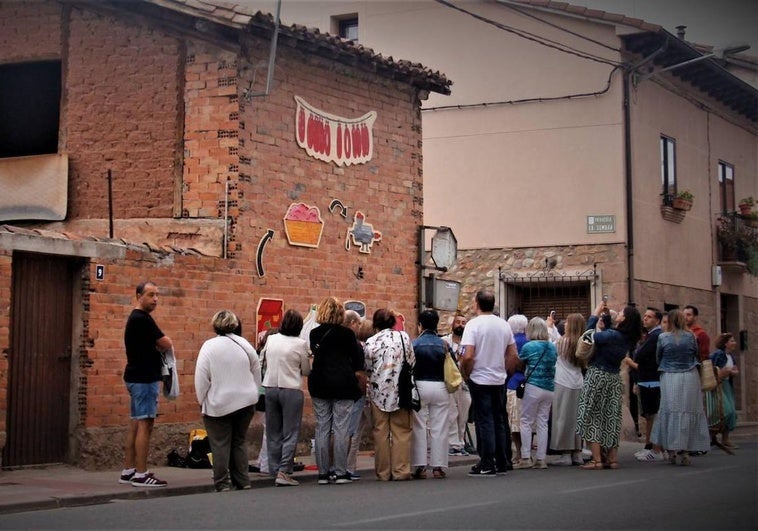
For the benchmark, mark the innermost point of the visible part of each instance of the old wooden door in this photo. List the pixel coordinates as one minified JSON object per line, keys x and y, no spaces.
{"x":39,"y":360}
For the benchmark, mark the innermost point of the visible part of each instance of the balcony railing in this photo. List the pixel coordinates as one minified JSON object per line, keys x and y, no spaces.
{"x":737,"y":237}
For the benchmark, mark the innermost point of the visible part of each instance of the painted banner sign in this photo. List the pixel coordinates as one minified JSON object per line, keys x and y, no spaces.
{"x":333,"y":138}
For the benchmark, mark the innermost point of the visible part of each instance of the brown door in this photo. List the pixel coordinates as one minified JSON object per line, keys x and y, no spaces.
{"x":39,"y":361}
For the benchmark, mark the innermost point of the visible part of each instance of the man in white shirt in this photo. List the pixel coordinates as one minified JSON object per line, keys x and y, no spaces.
{"x":460,"y":401}
{"x":487,"y":341}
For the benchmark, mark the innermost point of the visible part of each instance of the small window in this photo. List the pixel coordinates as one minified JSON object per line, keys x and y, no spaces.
{"x":30,"y":98}
{"x":668,"y":168}
{"x":726,"y":187}
{"x":347,"y":27}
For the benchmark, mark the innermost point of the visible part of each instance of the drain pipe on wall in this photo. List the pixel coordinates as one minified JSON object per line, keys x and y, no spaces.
{"x":226,"y":218}
{"x":271,"y":58}
{"x":628,"y":178}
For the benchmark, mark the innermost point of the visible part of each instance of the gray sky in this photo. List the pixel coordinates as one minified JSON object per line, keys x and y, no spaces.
{"x":713,"y":22}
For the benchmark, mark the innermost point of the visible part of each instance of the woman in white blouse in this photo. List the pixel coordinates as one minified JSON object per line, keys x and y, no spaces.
{"x":286,"y":360}
{"x":227,"y":379}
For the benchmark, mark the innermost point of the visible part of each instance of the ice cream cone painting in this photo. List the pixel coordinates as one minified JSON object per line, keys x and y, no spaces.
{"x":303,"y":225}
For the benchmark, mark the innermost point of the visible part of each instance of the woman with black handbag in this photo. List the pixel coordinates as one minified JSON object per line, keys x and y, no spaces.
{"x":334,"y":386}
{"x":386,"y":353}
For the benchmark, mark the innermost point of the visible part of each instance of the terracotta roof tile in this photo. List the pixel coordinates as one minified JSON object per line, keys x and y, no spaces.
{"x":241,"y":17}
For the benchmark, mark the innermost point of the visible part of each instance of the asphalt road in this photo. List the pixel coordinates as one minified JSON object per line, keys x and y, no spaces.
{"x":717,"y":492}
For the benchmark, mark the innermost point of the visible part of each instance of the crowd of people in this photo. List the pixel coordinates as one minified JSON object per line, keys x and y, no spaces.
{"x":529,"y":384}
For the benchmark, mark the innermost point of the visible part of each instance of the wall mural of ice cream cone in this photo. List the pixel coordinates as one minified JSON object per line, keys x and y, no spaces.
{"x":303,"y":225}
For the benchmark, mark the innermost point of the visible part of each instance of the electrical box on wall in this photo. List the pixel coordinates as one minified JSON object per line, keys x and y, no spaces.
{"x":442,"y":294}
{"x":716,"y":275}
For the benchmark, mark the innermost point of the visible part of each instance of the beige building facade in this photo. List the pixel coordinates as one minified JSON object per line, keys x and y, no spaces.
{"x":558,"y":156}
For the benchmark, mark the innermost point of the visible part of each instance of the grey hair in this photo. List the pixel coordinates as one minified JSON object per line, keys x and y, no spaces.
{"x":518,"y":323}
{"x":225,"y":322}
{"x":350,"y":317}
{"x":537,"y":329}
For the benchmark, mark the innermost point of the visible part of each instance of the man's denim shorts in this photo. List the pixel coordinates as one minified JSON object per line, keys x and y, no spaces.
{"x":144,"y":401}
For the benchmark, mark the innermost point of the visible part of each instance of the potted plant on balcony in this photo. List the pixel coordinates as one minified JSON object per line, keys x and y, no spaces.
{"x":746,"y":205}
{"x":737,"y":241}
{"x":683,"y":200}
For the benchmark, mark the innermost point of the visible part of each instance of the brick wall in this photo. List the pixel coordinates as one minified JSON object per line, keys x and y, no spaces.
{"x":29,"y":30}
{"x":121,"y":111}
{"x":162,"y":106}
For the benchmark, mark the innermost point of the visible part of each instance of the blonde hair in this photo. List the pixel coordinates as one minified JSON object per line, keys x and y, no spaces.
{"x":330,"y":311}
{"x":224,"y":322}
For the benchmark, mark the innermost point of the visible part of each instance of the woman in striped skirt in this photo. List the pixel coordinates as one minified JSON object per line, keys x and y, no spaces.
{"x":681,"y":425}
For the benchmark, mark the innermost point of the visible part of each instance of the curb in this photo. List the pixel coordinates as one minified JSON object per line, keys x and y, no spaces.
{"x":152,"y":493}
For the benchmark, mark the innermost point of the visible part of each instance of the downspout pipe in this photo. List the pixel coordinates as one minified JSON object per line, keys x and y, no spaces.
{"x":628,"y":178}
{"x":271,"y":55}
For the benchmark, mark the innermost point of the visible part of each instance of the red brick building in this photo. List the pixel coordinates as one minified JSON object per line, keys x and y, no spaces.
{"x":170,"y":99}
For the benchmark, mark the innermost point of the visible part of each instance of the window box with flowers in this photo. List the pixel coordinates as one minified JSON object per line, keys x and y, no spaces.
{"x":682,"y":200}
{"x":675,"y":206}
{"x":746,"y":205}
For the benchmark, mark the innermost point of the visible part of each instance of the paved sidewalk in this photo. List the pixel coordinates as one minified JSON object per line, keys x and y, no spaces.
{"x":56,"y":486}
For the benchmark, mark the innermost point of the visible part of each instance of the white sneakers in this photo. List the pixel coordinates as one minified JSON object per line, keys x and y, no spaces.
{"x":649,"y":455}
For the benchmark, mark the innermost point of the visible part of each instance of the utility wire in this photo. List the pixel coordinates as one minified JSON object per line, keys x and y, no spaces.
{"x":519,"y":9}
{"x":528,"y":100}
{"x":531,"y":36}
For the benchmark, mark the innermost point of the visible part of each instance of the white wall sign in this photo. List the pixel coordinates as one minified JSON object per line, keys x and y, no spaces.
{"x":599,"y":224}
{"x":332,"y":138}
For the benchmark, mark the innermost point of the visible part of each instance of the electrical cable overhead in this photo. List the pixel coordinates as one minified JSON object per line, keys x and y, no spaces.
{"x":525,"y":12}
{"x":528,"y":100}
{"x":531,"y":36}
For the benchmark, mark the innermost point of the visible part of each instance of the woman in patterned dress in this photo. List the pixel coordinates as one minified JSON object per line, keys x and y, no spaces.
{"x":599,"y":416}
{"x":392,"y":425}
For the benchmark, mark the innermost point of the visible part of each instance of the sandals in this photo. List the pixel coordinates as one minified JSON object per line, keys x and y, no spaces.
{"x":419,"y":473}
{"x":613,"y":465}
{"x":438,"y":473}
{"x":592,"y":465}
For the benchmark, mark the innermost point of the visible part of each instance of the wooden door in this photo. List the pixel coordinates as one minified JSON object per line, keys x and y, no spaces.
{"x":39,"y":361}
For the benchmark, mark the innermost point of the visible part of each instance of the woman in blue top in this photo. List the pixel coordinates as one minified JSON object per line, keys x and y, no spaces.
{"x":599,"y":417}
{"x":720,"y":405}
{"x":681,"y":425}
{"x":539,"y":356}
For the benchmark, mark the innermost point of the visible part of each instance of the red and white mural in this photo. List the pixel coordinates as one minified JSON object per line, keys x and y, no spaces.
{"x":332,"y":138}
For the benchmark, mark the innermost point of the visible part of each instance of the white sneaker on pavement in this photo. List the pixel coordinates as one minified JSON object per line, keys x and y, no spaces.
{"x":649,"y":455}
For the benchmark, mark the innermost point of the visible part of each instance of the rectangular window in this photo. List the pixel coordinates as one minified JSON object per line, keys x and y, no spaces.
{"x":30,"y":99}
{"x":346,"y":26}
{"x":726,"y":187}
{"x":668,"y":167}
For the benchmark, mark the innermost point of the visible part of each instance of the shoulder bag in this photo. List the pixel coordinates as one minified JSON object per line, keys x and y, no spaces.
{"x":453,"y":378}
{"x":585,"y":347}
{"x":406,"y":385}
{"x":707,"y":376}
{"x":522,"y":386}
